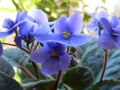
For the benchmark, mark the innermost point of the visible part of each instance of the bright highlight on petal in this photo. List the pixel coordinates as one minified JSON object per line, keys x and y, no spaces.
{"x":66,"y":35}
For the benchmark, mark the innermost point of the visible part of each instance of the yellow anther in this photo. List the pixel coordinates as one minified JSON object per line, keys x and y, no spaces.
{"x":66,"y":34}
{"x":54,"y":54}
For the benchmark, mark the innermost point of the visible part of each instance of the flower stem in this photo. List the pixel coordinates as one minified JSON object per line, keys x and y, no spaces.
{"x":58,"y":79}
{"x":27,"y":73}
{"x":9,"y":44}
{"x":35,"y":70}
{"x":105,"y":64}
{"x":25,"y":50}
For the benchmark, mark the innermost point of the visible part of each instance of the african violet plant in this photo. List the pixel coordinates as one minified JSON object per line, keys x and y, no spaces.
{"x":44,"y":48}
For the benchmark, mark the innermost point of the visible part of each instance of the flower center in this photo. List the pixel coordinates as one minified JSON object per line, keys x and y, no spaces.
{"x":54,"y":54}
{"x":66,"y":34}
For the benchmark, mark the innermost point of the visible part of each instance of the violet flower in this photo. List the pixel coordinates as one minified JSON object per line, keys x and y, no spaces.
{"x":66,"y":31}
{"x":52,"y":57}
{"x":11,"y":25}
{"x":110,"y":37}
{"x":95,"y":25}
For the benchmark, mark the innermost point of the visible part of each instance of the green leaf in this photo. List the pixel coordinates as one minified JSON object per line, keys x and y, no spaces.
{"x":91,"y":56}
{"x":7,"y":83}
{"x":40,"y":85}
{"x":6,"y":68}
{"x":107,"y":85}
{"x":15,"y":57}
{"x":78,"y":78}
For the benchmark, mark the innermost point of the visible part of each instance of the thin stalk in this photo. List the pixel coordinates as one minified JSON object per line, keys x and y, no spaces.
{"x":58,"y":79}
{"x":25,"y":50}
{"x":105,"y":64}
{"x":9,"y":44}
{"x":36,"y":46}
{"x":27,"y":73}
{"x":35,"y":70}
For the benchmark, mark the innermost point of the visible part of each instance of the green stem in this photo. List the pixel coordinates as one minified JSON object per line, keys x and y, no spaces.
{"x":105,"y":64}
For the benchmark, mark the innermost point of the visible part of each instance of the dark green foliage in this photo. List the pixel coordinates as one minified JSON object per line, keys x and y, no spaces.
{"x":78,"y":78}
{"x":6,"y":68}
{"x":7,"y":83}
{"x":15,"y":57}
{"x":40,"y":85}
{"x":107,"y":85}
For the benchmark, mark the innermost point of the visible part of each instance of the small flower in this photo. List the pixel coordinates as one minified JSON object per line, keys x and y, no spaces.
{"x":52,"y":57}
{"x":11,"y":25}
{"x":66,"y":31}
{"x":110,"y":37}
{"x":95,"y":25}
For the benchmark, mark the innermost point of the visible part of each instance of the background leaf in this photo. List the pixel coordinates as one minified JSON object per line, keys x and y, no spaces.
{"x":6,"y":68}
{"x":40,"y":85}
{"x":78,"y":78}
{"x":15,"y":57}
{"x":107,"y":85}
{"x":7,"y":83}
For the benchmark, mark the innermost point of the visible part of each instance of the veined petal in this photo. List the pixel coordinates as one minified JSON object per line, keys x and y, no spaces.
{"x":106,"y":25}
{"x":115,"y":21}
{"x":106,"y":41}
{"x":64,"y":61}
{"x":100,"y":15}
{"x":117,"y":41}
{"x":39,"y":56}
{"x":75,"y":23}
{"x":39,"y":16}
{"x":51,"y":66}
{"x":60,"y":25}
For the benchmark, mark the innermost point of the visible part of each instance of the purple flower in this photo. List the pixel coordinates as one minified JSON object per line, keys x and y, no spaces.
{"x":52,"y":57}
{"x":95,"y":25}
{"x":110,"y":36}
{"x":11,"y":25}
{"x":66,"y":31}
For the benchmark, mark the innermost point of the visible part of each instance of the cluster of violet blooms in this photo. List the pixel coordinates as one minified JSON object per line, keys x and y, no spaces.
{"x":55,"y":36}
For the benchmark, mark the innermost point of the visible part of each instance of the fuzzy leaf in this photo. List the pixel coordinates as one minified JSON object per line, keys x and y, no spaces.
{"x":15,"y":57}
{"x":40,"y":85}
{"x":107,"y":85}
{"x":78,"y":78}
{"x":7,"y":83}
{"x":6,"y":67}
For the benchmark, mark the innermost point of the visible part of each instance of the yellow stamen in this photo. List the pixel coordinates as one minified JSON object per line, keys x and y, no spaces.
{"x":54,"y":54}
{"x":66,"y":34}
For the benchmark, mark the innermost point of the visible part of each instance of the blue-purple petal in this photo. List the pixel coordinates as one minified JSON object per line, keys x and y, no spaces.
{"x":17,"y":41}
{"x":60,"y":25}
{"x":106,"y":25}
{"x":38,"y":16}
{"x":115,"y":21}
{"x":51,"y":66}
{"x":106,"y":41}
{"x":100,"y":15}
{"x":39,"y":55}
{"x":74,"y":23}
{"x":64,"y":61}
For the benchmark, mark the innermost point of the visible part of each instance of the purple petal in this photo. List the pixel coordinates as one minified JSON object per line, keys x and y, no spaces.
{"x":18,"y":41}
{"x":106,"y":25}
{"x":74,"y":40}
{"x":115,"y":21}
{"x":93,"y":26}
{"x":39,"y":16}
{"x":26,"y":27}
{"x":51,"y":66}
{"x":106,"y":41}
{"x":39,"y":56}
{"x":100,"y":15}
{"x":75,"y":23}
{"x":60,"y":25}
{"x":64,"y":61}
{"x":117,"y":41}
{"x":8,"y":23}
{"x":4,"y":34}
{"x":1,"y":49}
